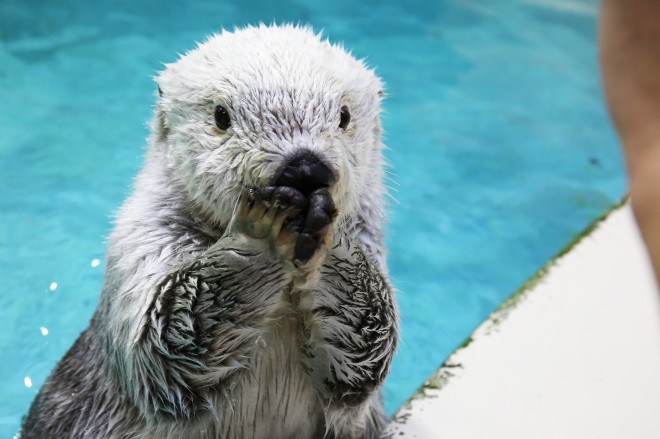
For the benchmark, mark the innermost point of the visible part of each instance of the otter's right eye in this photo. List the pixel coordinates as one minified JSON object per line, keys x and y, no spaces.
{"x":222,"y":119}
{"x":344,"y":117}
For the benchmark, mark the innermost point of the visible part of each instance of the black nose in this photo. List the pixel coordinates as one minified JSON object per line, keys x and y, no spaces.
{"x":306,"y":172}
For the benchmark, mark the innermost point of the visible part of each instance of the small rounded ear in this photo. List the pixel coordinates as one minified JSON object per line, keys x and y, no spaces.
{"x":160,"y":125}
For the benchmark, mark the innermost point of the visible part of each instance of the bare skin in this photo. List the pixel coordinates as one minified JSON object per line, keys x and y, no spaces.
{"x":630,"y":60}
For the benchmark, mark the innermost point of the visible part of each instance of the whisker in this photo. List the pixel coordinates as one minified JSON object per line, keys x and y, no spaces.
{"x":391,"y":180}
{"x":391,"y":198}
{"x":234,"y":214}
{"x":390,"y":188}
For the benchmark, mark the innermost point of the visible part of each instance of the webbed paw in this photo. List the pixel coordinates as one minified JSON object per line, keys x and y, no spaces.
{"x":297,"y":226}
{"x":313,"y":225}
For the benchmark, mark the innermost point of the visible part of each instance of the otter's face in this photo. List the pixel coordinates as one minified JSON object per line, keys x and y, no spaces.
{"x":270,"y":105}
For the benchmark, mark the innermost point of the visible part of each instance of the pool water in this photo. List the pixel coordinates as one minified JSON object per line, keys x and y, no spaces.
{"x":499,"y":142}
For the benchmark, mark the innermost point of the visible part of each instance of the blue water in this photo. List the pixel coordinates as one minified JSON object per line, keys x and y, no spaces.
{"x":498,"y":137}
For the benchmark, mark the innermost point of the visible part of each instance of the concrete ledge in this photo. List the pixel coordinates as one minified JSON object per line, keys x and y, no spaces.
{"x":575,"y":354}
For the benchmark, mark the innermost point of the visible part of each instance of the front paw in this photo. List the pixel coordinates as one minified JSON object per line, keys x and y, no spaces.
{"x":268,"y":213}
{"x":313,"y":226}
{"x":296,"y":226}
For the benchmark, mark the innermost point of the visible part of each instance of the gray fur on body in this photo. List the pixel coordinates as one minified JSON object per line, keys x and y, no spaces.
{"x":206,"y":327}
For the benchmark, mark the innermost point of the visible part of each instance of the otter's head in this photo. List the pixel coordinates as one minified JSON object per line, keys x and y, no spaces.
{"x":266,"y":106}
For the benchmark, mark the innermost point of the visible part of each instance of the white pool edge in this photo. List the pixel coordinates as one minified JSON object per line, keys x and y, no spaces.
{"x":575,"y":352}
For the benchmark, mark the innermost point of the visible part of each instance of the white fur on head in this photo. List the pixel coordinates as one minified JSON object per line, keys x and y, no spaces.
{"x":284,"y":88}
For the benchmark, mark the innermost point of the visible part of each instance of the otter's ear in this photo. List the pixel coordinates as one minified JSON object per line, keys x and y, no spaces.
{"x":159,"y":124}
{"x":161,"y":128}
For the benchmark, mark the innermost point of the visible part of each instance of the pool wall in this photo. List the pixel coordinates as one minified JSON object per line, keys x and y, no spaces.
{"x":575,"y":353}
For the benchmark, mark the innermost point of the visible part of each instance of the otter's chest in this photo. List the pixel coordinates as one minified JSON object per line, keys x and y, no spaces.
{"x":274,"y":397}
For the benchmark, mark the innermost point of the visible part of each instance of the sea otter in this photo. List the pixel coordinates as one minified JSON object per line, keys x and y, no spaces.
{"x":246,"y":293}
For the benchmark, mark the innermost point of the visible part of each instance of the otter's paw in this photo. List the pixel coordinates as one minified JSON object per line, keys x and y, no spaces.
{"x":268,"y":214}
{"x":313,"y":225}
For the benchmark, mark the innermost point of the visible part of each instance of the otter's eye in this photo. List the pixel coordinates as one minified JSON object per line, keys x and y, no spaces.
{"x":222,"y":119}
{"x":344,"y":117}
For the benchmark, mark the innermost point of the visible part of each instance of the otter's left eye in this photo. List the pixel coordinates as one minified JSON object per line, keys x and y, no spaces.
{"x":222,"y":119}
{"x":344,"y":117}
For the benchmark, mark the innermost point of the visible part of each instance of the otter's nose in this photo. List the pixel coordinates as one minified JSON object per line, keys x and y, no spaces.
{"x":306,"y":172}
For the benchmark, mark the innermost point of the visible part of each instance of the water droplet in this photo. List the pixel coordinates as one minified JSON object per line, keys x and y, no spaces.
{"x":53,"y":286}
{"x":95,"y":263}
{"x":28,"y":382}
{"x":44,"y":330}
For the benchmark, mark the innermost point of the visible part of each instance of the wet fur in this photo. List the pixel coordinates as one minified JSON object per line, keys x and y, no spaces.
{"x":206,"y":327}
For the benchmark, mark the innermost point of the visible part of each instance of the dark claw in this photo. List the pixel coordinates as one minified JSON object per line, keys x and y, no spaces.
{"x":282,"y":196}
{"x":290,"y":197}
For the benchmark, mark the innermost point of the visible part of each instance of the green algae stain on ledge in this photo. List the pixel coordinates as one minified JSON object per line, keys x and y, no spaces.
{"x":452,"y":366}
{"x":512,"y":301}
